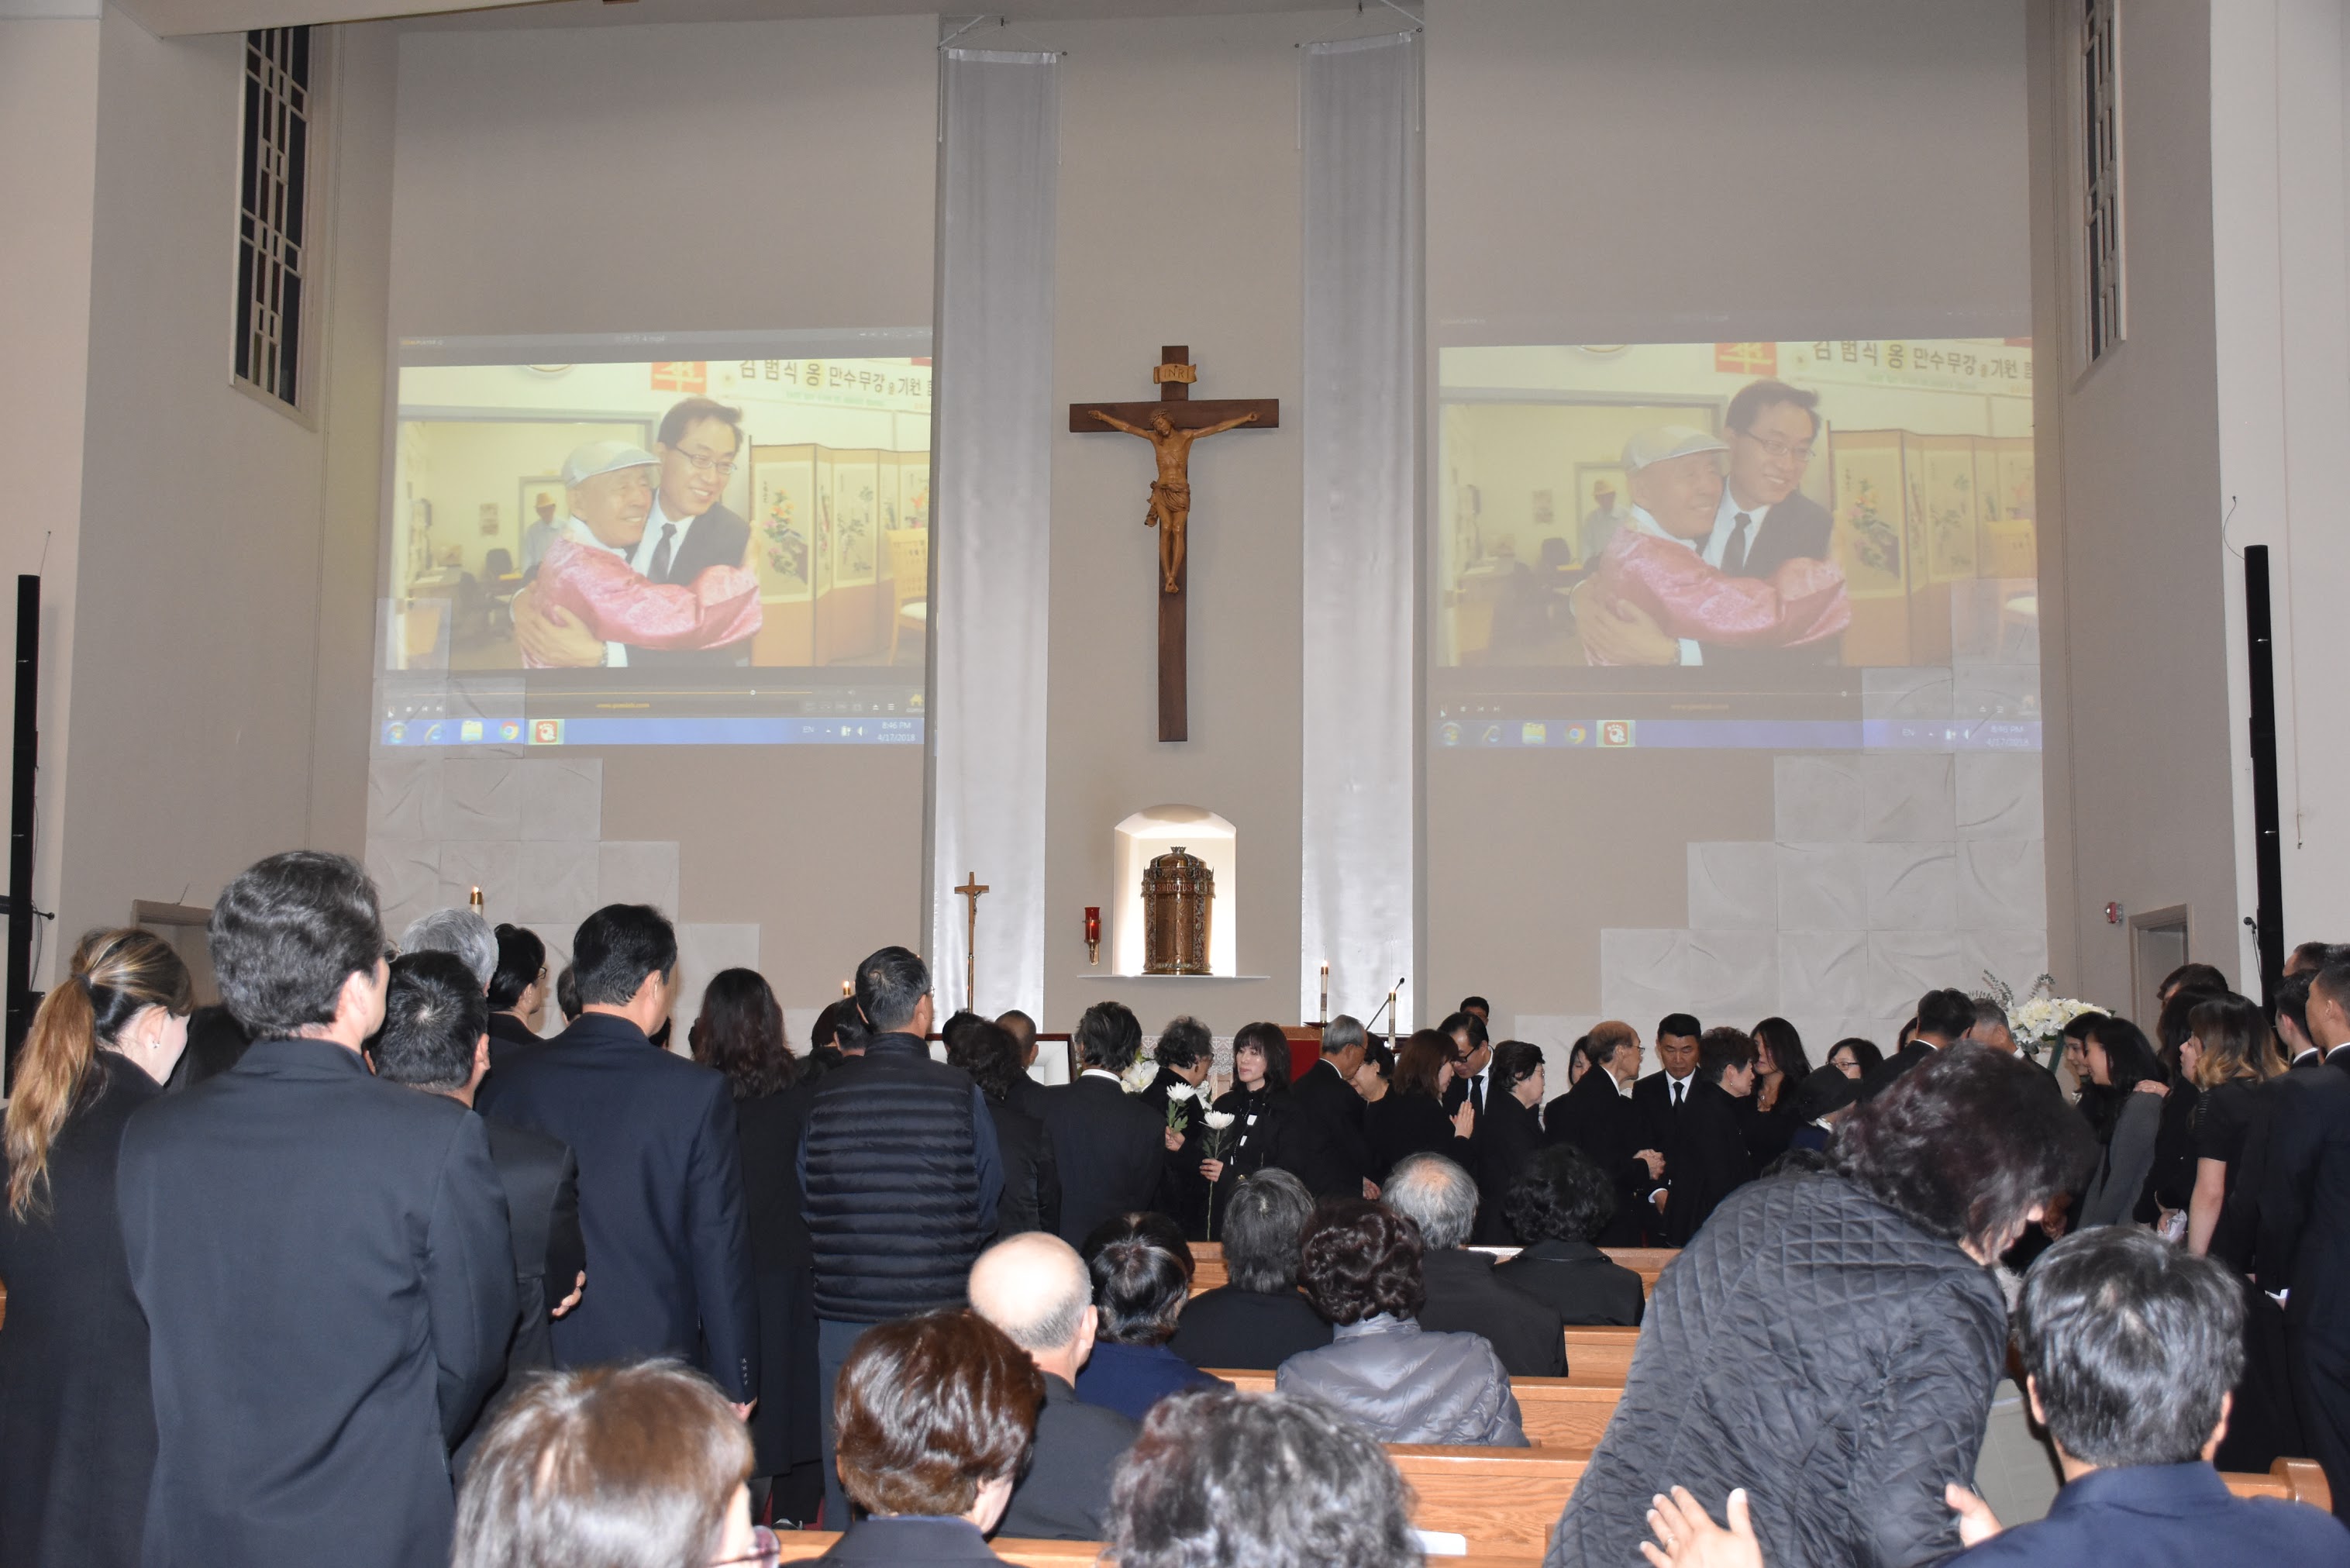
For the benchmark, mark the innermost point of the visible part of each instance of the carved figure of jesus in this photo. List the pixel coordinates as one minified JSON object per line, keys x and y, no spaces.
{"x":1170,"y":493}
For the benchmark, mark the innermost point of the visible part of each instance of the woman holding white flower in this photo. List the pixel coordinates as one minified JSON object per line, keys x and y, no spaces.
{"x":1248,"y":1138}
{"x":1185,"y":1052}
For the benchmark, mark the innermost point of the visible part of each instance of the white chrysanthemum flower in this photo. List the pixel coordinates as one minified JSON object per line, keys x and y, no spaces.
{"x":1219,"y":1120}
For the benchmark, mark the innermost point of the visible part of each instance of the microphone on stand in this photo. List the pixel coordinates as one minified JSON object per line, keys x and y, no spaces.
{"x":1372,"y":1027}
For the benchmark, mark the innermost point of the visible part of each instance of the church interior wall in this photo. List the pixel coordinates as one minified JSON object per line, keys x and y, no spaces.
{"x":48,"y":173}
{"x":2142,"y":748}
{"x":1680,"y":173}
{"x":703,"y":177}
{"x":211,"y":520}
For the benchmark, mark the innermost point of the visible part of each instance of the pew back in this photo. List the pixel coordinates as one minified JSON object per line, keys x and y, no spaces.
{"x":1557,"y":1412}
{"x":804,"y":1545}
{"x":1208,"y":1270}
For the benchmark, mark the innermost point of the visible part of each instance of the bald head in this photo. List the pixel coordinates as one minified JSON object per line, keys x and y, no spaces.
{"x":1035,"y":1288}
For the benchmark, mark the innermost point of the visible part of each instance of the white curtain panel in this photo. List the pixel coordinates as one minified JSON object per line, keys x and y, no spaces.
{"x":1362,"y":189}
{"x":999,"y":127}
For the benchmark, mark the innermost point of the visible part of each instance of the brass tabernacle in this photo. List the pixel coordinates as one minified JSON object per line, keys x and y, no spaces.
{"x":1179,"y":891}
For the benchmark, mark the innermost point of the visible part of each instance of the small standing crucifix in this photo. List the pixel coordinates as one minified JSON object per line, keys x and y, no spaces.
{"x":1170,"y":425}
{"x":971,"y":890}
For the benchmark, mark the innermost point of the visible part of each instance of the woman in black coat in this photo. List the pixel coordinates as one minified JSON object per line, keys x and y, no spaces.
{"x":77,"y":1415}
{"x":1257,"y":1102}
{"x":1031,"y":1180}
{"x":741,"y":1034}
{"x":1411,"y":1119}
{"x":1830,"y":1342}
{"x":1509,"y":1135}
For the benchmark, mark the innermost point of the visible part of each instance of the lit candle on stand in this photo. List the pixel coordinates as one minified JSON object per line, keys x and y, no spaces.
{"x":1093,"y":933}
{"x":475,"y":900}
{"x":1326,"y":992}
{"x":1391,"y":1020}
{"x":846,"y":990}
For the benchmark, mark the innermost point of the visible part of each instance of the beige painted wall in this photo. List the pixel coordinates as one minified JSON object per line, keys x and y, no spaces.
{"x":48,"y":172}
{"x":1195,"y":239}
{"x":211,"y":580}
{"x":763,"y":176}
{"x":1669,"y":173}
{"x":2135,"y":576}
{"x":2282,"y":333}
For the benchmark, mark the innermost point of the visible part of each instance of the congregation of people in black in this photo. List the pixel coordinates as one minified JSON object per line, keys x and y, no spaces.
{"x":375,"y":1263}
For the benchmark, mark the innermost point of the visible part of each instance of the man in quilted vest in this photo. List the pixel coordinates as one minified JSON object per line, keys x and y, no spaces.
{"x":900,"y":1175}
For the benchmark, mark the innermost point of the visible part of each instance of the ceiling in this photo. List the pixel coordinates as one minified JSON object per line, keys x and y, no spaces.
{"x":172,"y":18}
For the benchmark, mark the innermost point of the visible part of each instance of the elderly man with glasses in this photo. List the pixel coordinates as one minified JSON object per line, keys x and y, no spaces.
{"x":676,"y":529}
{"x":1759,"y":521}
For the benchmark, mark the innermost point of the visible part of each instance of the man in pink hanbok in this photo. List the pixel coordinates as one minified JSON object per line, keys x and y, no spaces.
{"x":588,"y":572}
{"x":1654,"y":570}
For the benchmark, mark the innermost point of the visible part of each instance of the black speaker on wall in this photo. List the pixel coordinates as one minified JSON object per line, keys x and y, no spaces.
{"x":2268,"y":841}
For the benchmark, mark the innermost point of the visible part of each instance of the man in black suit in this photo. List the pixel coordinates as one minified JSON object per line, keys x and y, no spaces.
{"x":689,"y":531}
{"x":323,"y":1258}
{"x":1473,"y":1054}
{"x":2305,"y":1234}
{"x":1598,"y":1116}
{"x":1035,"y":1288}
{"x":660,"y":1184}
{"x":518,"y":992}
{"x":435,"y":1037}
{"x":1110,"y":1146}
{"x":1943,"y":1018}
{"x":1464,"y":1295}
{"x":1708,"y":1158}
{"x":1323,"y":1142}
{"x":1026,"y":1092}
{"x":1659,"y":1101}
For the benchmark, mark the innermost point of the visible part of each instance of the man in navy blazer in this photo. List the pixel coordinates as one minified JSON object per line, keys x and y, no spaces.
{"x":2131,"y":1346}
{"x":660,"y":1183}
{"x":322,"y":1258}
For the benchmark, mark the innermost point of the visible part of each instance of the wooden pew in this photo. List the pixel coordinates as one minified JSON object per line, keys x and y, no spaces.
{"x":1600,"y":1354}
{"x":802,"y":1545}
{"x":1557,"y":1412}
{"x":1505,"y":1502}
{"x":1208,"y":1262}
{"x":2293,"y":1481}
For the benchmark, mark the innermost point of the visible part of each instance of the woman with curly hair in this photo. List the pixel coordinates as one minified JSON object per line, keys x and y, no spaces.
{"x":1239,"y":1481}
{"x":1360,"y":1264}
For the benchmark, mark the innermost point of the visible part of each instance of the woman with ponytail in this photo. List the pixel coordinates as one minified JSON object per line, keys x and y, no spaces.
{"x":77,"y":1423}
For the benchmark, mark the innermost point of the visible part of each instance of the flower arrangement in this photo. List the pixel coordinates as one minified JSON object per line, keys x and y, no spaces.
{"x":2036,"y":1019}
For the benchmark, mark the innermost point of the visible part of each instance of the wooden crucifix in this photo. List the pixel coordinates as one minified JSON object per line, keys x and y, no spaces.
{"x":971,"y":890}
{"x":1170,"y":425}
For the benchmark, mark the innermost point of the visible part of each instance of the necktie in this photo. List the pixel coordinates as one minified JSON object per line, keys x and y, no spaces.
{"x":1678,"y":1089}
{"x":659,"y":573}
{"x":1477,"y":1095}
{"x":1733,"y":554}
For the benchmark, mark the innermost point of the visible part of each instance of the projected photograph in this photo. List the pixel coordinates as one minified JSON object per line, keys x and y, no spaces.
{"x":1733,"y":507}
{"x":685,"y":517}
